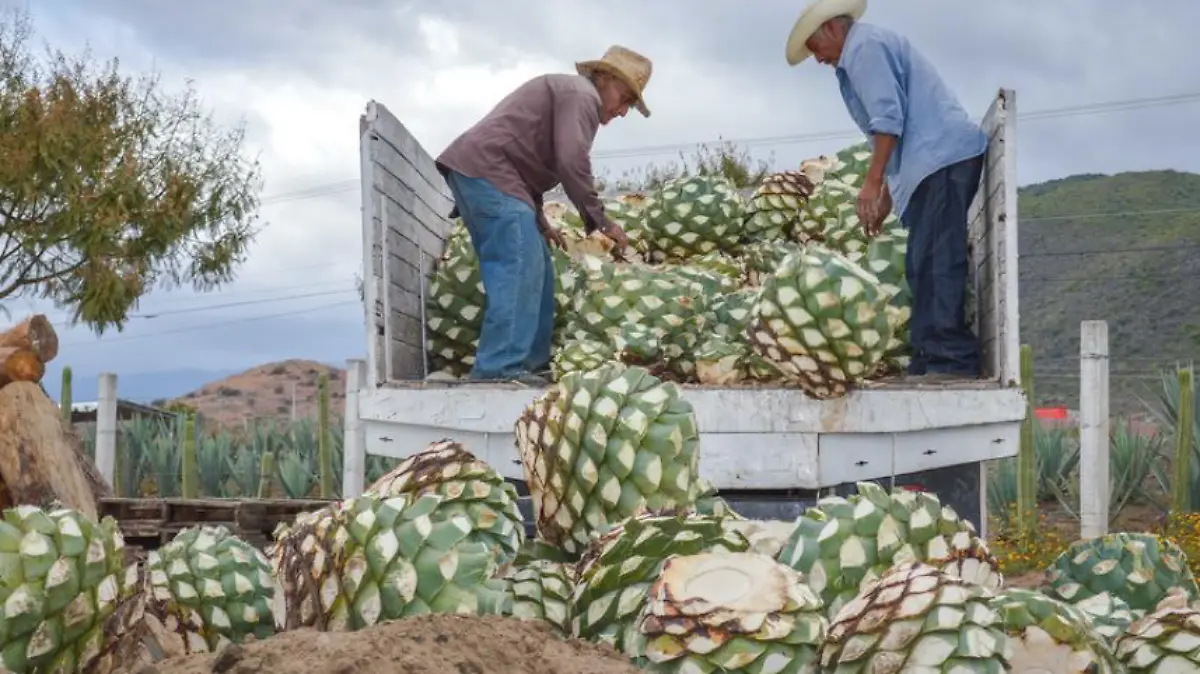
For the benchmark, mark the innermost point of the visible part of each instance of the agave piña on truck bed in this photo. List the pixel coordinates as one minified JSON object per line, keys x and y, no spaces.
{"x":822,"y":322}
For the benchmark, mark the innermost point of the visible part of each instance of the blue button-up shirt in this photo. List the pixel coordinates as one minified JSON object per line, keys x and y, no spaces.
{"x":890,"y":88}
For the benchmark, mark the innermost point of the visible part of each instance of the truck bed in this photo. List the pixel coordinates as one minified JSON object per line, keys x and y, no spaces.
{"x":752,"y":437}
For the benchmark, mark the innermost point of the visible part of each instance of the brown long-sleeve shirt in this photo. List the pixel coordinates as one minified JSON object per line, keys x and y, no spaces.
{"x":540,"y":135}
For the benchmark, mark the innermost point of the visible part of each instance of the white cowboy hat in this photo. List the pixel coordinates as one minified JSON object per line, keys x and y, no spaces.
{"x":813,"y":17}
{"x":626,"y":65}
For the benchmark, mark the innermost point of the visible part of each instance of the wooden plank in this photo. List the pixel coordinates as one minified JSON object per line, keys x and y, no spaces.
{"x":389,"y":127}
{"x":436,"y":196}
{"x":406,"y":242}
{"x":406,"y":329}
{"x":409,"y":360}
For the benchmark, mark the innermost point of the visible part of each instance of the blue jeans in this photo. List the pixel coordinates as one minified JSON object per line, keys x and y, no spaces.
{"x":936,"y":267}
{"x":518,"y":278}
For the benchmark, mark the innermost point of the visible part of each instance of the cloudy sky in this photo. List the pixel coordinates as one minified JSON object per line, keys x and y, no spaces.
{"x":300,"y":78}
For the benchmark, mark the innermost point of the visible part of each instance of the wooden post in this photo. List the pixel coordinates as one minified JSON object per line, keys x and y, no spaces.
{"x":106,"y":427}
{"x":1093,"y":428}
{"x":354,"y":445}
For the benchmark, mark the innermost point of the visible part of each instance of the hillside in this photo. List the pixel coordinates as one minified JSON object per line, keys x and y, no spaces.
{"x":266,"y":392}
{"x":1150,"y":297}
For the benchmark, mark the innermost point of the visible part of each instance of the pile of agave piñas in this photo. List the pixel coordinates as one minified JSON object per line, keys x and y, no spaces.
{"x":631,"y":549}
{"x":777,"y":285}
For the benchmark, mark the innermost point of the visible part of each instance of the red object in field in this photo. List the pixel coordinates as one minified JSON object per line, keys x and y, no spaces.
{"x":1050,"y":413}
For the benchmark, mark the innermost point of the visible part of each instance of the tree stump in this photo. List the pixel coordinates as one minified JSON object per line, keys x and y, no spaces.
{"x":38,"y":464}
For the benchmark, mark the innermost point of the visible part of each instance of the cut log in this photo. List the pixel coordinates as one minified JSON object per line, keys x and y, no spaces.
{"x":20,"y":364}
{"x":38,"y":465}
{"x":34,"y":333}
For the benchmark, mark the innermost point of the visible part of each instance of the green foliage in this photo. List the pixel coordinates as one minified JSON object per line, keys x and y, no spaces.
{"x":1027,"y":469}
{"x":325,"y":461}
{"x":246,"y":463}
{"x":111,"y":186}
{"x":1183,"y":487}
{"x":726,"y":159}
{"x":1167,"y":409}
{"x":64,"y":396}
{"x":1134,"y":459}
{"x":190,"y":480}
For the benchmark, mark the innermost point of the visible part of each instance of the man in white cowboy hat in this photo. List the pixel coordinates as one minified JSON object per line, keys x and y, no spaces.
{"x":927,"y":157}
{"x":498,"y":170}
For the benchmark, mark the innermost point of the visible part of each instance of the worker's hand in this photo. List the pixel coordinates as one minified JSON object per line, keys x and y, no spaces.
{"x":552,"y":235}
{"x":618,"y":235}
{"x":874,"y":204}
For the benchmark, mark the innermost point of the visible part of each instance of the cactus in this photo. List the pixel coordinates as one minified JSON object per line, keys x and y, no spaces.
{"x":324,"y":456}
{"x":64,"y":396}
{"x":265,"y":474}
{"x":1027,"y":469}
{"x":191,"y":469}
{"x":1181,"y":486}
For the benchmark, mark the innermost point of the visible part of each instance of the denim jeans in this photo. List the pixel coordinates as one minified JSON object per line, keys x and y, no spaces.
{"x":936,"y":267}
{"x":518,"y":278}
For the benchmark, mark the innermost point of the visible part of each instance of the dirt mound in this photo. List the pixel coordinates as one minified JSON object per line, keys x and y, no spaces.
{"x":435,"y":644}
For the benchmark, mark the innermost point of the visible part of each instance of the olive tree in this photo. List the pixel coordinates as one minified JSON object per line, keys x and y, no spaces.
{"x":111,"y":186}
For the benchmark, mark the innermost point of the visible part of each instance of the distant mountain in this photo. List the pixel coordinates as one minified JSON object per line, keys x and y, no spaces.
{"x":276,"y":391}
{"x":141,"y":387}
{"x":1142,"y":276}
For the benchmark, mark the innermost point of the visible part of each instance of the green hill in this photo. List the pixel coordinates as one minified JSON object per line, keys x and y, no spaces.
{"x":1150,"y":297}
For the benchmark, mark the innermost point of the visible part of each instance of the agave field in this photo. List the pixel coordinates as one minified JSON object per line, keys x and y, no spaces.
{"x":631,"y":549}
{"x":263,"y":459}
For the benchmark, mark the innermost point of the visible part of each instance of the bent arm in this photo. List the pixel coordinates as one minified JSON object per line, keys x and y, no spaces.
{"x":874,"y":73}
{"x":576,"y":119}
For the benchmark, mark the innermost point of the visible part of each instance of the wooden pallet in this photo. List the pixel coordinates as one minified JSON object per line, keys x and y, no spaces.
{"x":148,"y":523}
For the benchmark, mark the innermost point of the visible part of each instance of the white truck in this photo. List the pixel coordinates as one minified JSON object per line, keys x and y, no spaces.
{"x":769,"y":451}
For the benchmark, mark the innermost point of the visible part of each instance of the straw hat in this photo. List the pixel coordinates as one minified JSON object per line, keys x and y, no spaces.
{"x":626,"y":65}
{"x":811,"y":20}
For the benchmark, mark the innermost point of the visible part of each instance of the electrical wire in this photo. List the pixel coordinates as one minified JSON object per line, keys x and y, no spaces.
{"x":209,"y":326}
{"x":328,"y":189}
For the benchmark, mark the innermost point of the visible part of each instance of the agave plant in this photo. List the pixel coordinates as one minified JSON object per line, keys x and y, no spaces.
{"x":1163,"y":407}
{"x":212,"y":464}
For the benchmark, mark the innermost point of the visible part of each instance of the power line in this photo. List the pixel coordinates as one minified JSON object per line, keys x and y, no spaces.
{"x":1124,"y":214}
{"x":1105,"y":279}
{"x":1051,"y":113}
{"x":227,"y":305}
{"x":1111,"y":252}
{"x":209,"y":326}
{"x":331,"y":188}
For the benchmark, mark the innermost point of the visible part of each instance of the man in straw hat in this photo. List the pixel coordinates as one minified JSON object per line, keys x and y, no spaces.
{"x":498,"y":170}
{"x":931,"y":154}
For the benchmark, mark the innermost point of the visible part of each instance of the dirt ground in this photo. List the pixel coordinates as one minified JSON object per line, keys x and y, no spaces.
{"x":434,"y":644}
